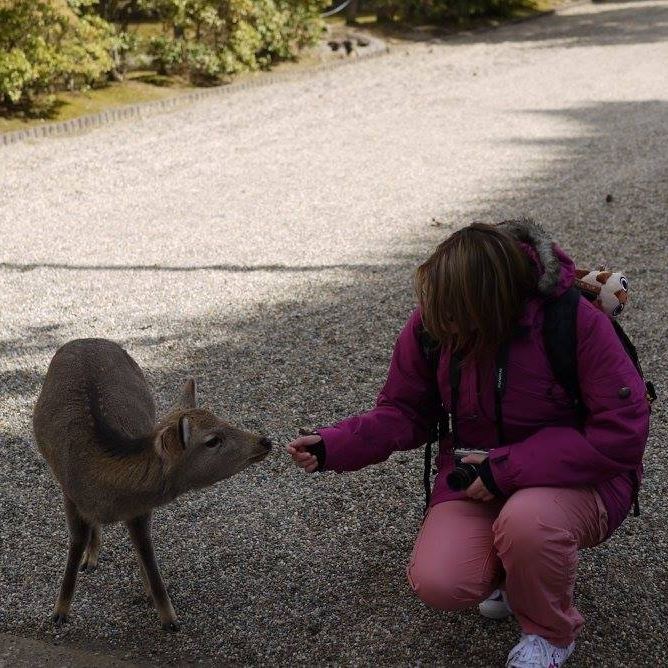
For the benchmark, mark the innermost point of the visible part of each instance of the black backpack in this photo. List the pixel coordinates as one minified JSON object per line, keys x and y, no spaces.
{"x":560,"y":336}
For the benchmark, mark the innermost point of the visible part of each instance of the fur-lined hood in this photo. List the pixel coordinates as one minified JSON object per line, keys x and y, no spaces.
{"x":556,"y":271}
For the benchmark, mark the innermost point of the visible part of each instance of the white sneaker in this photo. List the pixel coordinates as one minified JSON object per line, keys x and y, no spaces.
{"x":535,"y":652}
{"x":496,"y":606}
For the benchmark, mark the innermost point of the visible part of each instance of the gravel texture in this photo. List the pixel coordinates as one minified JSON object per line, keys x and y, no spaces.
{"x":264,"y":243}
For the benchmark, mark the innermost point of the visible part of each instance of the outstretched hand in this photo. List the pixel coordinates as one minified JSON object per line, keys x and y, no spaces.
{"x":300,"y":455}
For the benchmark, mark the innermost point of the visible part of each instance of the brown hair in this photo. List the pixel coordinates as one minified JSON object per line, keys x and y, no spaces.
{"x":472,"y":289}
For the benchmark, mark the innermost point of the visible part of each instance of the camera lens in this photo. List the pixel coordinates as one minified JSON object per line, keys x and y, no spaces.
{"x":462,"y":476}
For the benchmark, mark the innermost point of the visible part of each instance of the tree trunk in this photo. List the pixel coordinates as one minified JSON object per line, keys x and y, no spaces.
{"x":385,"y":14}
{"x":129,"y":11}
{"x":352,"y":11}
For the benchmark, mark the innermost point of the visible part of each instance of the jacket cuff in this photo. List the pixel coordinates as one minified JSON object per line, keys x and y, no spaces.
{"x":499,"y":470}
{"x":345,"y":451}
{"x":318,"y":449}
{"x":487,"y":477}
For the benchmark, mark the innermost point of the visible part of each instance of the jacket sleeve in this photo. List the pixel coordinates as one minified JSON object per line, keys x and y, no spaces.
{"x":613,"y":439}
{"x":405,"y":410}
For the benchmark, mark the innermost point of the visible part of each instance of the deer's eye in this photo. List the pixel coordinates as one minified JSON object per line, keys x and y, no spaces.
{"x":625,"y":283}
{"x":212,"y":441}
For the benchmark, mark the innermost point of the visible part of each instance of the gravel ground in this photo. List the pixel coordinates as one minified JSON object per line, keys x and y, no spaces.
{"x":264,"y":243}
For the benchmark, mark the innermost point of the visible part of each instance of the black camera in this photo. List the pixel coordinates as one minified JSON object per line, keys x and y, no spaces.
{"x":463,"y":475}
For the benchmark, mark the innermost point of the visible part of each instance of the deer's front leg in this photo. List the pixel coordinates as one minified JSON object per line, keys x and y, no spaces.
{"x":140,"y":533}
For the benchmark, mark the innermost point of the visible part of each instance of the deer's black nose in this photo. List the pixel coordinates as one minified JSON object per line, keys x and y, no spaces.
{"x":265,"y":443}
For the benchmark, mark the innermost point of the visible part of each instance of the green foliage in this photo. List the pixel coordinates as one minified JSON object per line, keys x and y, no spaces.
{"x":49,"y":45}
{"x":203,"y":63}
{"x":208,"y":38}
{"x":178,"y":56}
{"x":16,"y":73}
{"x":168,"y":54}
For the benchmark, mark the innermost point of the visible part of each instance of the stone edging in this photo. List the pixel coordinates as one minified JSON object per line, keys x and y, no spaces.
{"x":376,"y":47}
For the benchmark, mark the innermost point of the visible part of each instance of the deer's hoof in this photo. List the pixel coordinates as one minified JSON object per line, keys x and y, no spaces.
{"x":170,"y":627}
{"x":88,"y":567}
{"x":59,"y":619}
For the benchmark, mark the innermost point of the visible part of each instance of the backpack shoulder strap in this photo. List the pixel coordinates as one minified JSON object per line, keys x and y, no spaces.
{"x":430,"y":347}
{"x":431,"y":351}
{"x":633,"y":354}
{"x":560,"y":338}
{"x":628,"y":346}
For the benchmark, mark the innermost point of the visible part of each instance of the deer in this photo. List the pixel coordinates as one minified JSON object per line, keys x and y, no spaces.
{"x":95,"y":425}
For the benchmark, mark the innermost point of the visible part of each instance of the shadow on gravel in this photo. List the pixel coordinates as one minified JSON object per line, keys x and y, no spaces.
{"x":34,"y":339}
{"x":598,"y":26}
{"x":21,"y":382}
{"x":272,"y":268}
{"x":620,"y":25}
{"x":266,"y":567}
{"x":309,"y":362}
{"x":274,"y":567}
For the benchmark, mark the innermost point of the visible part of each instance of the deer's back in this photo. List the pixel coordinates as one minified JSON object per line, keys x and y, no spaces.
{"x":89,"y":379}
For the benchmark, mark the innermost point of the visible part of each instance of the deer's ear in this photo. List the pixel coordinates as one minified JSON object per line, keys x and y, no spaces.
{"x":170,"y":444}
{"x":184,"y":432}
{"x":187,"y":397}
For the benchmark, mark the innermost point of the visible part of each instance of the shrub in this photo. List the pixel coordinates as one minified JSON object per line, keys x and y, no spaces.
{"x":213,"y":37}
{"x":168,"y":54}
{"x":16,"y":74}
{"x":177,"y":56}
{"x":204,"y":65}
{"x":45,"y":46}
{"x":48,"y":45}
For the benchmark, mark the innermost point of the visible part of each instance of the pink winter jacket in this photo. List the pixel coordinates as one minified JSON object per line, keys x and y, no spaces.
{"x":545,"y":446}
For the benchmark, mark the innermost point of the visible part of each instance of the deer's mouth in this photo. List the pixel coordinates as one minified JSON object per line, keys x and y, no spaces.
{"x":258,"y":457}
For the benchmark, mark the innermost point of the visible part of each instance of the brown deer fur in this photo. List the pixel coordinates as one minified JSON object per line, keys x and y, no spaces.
{"x":95,"y":425}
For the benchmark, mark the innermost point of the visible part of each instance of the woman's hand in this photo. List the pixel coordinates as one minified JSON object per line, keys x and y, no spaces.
{"x":477,"y":490}
{"x":300,"y":455}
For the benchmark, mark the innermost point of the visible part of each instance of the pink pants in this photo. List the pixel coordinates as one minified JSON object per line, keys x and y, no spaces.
{"x":527,"y":545}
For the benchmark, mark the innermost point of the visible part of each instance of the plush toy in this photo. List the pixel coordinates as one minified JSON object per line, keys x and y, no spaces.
{"x":606,"y":289}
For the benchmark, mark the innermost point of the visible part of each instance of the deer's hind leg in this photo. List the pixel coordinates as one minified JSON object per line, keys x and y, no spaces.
{"x":80,"y":534}
{"x":140,"y":533}
{"x":92,"y":552}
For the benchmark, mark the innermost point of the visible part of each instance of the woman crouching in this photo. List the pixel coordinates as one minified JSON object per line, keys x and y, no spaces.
{"x":552,"y":478}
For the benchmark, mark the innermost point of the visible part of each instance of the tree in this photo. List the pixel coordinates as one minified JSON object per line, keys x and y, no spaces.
{"x":213,"y":37}
{"x":49,"y":45}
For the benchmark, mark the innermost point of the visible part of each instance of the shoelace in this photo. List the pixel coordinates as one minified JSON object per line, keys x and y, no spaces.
{"x":530,"y":652}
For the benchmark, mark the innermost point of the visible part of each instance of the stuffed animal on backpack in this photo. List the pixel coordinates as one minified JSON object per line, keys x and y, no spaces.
{"x":608,"y":290}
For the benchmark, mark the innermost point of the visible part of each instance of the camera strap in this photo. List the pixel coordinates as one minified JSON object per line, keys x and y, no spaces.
{"x":500,"y":389}
{"x":455,"y":379}
{"x":500,"y":381}
{"x":501,"y":376}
